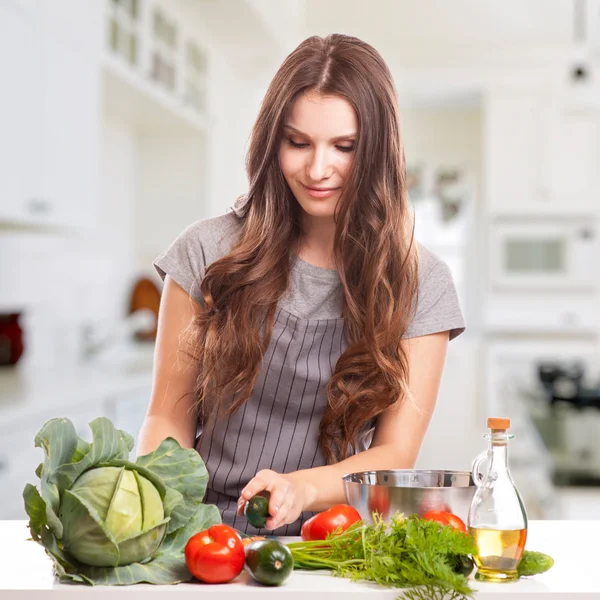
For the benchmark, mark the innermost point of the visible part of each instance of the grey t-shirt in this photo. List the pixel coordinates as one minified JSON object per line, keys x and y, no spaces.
{"x":278,"y":427}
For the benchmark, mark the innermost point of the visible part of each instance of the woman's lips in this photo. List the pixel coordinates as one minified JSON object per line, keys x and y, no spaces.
{"x":320,"y":193}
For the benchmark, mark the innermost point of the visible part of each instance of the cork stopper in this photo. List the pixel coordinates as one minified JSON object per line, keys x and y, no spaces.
{"x":498,"y":424}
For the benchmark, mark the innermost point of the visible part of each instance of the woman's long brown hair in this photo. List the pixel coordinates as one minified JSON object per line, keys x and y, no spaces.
{"x":373,"y":249}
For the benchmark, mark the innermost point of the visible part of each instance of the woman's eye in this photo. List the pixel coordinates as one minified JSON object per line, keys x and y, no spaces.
{"x":302,"y":145}
{"x":295,"y":145}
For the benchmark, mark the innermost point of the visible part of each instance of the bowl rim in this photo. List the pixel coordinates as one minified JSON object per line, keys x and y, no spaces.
{"x":347,"y":478}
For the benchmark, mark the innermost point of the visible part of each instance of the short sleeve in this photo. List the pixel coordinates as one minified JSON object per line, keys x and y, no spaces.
{"x":185,"y":262}
{"x":438,"y":307}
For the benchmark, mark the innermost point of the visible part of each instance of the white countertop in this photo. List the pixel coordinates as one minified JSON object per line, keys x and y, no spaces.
{"x":26,"y":573}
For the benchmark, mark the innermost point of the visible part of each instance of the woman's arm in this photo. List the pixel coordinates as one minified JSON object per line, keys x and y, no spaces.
{"x":396,"y":443}
{"x":171,"y":412}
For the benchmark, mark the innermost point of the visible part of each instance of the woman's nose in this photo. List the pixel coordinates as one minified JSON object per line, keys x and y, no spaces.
{"x":318,"y":167}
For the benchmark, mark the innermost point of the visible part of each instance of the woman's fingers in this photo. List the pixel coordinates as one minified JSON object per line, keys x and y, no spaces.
{"x":259,"y":483}
{"x":286,"y":513}
{"x":282,"y":494}
{"x":280,"y":488}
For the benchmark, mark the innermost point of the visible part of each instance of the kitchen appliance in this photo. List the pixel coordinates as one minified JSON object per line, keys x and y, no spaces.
{"x":544,"y":255}
{"x":565,"y":382}
{"x":550,"y":387}
{"x":409,"y":491}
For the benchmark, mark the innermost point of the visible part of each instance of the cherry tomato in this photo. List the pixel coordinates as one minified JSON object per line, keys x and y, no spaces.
{"x":446,"y":518}
{"x":319,"y":525}
{"x":215,"y":555}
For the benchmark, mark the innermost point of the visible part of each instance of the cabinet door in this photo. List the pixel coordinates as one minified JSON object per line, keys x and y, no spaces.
{"x":569,"y":159}
{"x":510,"y":159}
{"x":69,"y":134}
{"x":20,"y":115}
{"x":542,"y":157}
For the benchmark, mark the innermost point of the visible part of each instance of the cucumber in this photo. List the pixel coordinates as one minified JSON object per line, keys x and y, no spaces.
{"x":256,"y":511}
{"x":269,"y":562}
{"x":534,"y":563}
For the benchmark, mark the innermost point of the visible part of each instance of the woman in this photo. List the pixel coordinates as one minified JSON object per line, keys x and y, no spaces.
{"x":304,"y":334}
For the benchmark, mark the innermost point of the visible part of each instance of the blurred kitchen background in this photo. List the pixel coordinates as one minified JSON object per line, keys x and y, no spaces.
{"x":123,"y":121}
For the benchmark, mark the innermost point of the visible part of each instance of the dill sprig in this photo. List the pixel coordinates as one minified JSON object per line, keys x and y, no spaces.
{"x":406,"y":553}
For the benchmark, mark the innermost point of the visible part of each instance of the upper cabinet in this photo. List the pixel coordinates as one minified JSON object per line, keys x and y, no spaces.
{"x":64,"y":64}
{"x":155,"y":68}
{"x":542,"y":157}
{"x":569,"y":157}
{"x":48,"y":118}
{"x":69,"y":136}
{"x":20,"y":115}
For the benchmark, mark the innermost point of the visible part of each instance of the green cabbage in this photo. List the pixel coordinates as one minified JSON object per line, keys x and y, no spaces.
{"x":105,"y":520}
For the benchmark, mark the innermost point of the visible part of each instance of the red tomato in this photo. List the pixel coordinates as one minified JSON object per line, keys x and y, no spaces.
{"x":432,"y":503}
{"x":318,"y":526}
{"x":446,"y":518}
{"x":379,"y":501}
{"x":215,"y":555}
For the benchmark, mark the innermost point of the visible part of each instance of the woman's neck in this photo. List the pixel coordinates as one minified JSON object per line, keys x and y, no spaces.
{"x":316,"y":246}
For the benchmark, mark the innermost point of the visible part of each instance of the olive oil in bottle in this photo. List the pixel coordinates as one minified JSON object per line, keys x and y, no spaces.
{"x":499,"y":552}
{"x":497,"y":518}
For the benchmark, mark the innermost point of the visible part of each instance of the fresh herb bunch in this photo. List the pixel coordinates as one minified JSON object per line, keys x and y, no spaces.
{"x":406,"y":553}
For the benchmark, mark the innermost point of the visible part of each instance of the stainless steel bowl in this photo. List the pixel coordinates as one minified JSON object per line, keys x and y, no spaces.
{"x":409,"y":491}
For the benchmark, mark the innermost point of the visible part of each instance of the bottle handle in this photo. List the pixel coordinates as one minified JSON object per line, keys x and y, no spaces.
{"x":476,"y":472}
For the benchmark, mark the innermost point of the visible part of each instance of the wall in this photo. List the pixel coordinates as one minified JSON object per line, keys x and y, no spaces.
{"x":116,"y":212}
{"x":449,"y":136}
{"x":171,"y":174}
{"x":438,"y":135}
{"x":234,"y":109}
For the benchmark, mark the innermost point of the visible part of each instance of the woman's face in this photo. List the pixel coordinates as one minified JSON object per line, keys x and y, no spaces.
{"x":317,"y":150}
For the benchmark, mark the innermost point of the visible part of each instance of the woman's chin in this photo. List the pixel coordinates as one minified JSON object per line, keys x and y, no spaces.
{"x":318,"y":208}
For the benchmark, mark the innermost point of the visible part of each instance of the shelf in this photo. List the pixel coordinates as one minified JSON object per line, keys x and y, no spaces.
{"x":131,"y":98}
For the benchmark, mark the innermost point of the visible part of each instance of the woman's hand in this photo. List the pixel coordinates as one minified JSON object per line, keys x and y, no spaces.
{"x":289,"y":496}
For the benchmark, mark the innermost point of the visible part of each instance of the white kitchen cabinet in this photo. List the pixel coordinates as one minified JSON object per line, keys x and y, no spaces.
{"x":20,"y":115}
{"x":509,"y":151}
{"x":569,"y":157}
{"x":49,"y":119}
{"x":541,"y":156}
{"x":69,"y":136}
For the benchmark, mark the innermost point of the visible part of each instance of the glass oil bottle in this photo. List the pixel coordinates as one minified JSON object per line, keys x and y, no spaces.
{"x":497,"y":517}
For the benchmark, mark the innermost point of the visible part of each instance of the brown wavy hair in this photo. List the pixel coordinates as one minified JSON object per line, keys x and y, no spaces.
{"x":374,"y":250}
